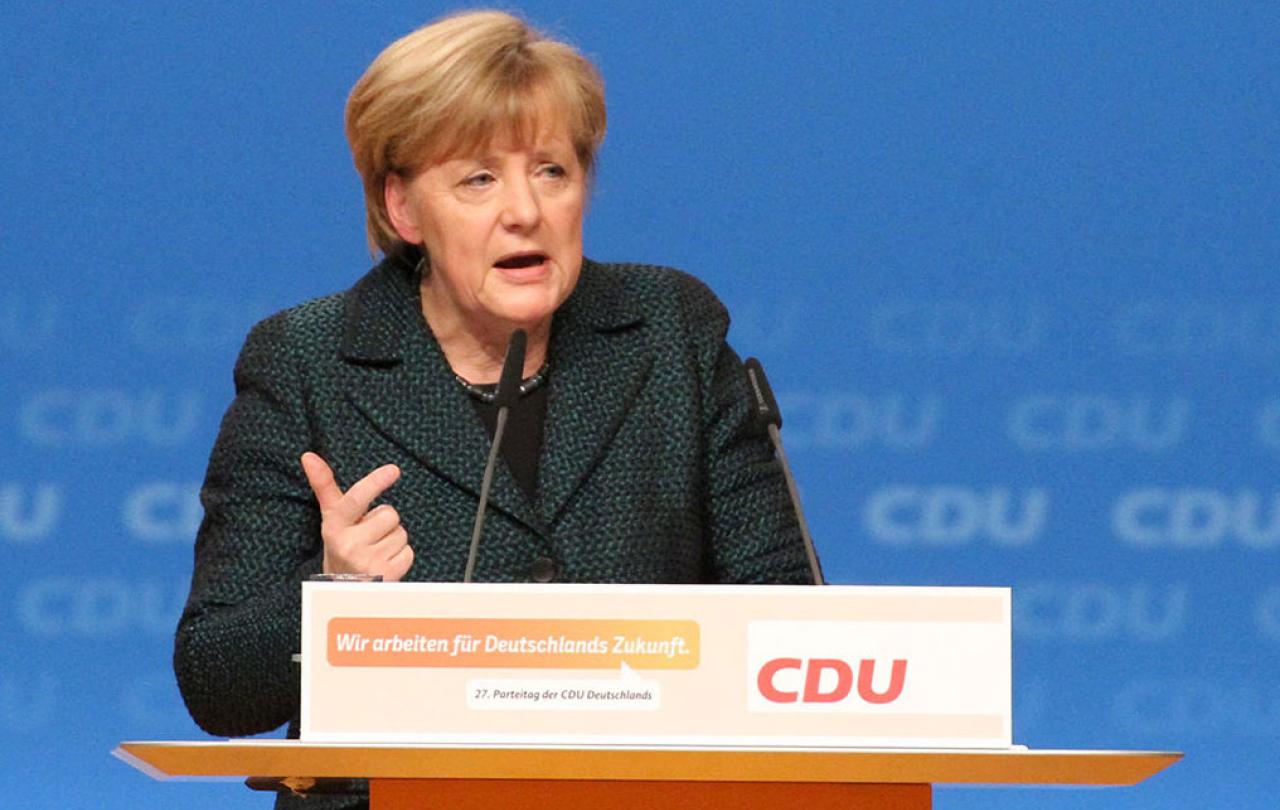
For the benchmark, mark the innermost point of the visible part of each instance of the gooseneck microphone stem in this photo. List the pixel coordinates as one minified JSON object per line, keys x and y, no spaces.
{"x":485,"y":483}
{"x":508,"y":392}
{"x":767,"y":413}
{"x":815,"y":569}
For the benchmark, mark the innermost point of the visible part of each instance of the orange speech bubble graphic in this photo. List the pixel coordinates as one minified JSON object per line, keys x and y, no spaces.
{"x":513,"y":643}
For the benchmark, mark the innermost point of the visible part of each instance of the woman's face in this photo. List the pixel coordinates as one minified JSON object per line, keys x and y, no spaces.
{"x":503,"y":231}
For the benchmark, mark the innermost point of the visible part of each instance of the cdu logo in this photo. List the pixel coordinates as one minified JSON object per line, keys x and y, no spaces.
{"x":163,"y":512}
{"x":958,"y":329}
{"x":1182,"y":328}
{"x":29,"y":512}
{"x":1199,"y":707}
{"x":922,"y":662}
{"x":809,"y":682}
{"x":953,"y":515}
{"x":101,"y":607}
{"x":102,"y":418}
{"x":1097,"y":611}
{"x":175,"y":324}
{"x":1197,"y":518}
{"x":845,"y":421}
{"x":1082,"y":422}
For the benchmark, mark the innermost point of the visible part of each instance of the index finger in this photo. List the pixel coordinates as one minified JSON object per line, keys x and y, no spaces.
{"x":363,"y":492}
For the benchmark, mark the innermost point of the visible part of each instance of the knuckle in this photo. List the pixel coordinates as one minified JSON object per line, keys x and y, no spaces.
{"x":379,"y":514}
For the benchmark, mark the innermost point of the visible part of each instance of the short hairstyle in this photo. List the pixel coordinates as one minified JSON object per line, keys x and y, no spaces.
{"x":454,"y":86}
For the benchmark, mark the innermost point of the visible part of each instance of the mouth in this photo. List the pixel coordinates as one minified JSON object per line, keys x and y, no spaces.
{"x":521,"y":261}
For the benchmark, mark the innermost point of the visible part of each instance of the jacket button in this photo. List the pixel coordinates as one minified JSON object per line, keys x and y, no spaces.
{"x":543,"y":569}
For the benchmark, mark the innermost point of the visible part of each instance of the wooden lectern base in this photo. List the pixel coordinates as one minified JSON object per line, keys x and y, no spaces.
{"x":540,"y":794}
{"x":418,"y":776}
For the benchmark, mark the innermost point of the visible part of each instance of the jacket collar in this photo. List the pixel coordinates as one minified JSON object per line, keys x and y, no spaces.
{"x":384,"y":310}
{"x":403,"y":385}
{"x":380,"y":315}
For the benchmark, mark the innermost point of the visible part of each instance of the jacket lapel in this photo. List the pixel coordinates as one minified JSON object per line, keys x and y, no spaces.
{"x":599,"y":364}
{"x":398,"y":385}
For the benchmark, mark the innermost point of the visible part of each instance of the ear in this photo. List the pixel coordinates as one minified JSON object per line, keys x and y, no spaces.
{"x":400,"y":208}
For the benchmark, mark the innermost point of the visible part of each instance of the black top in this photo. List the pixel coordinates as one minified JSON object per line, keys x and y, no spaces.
{"x":522,"y":438}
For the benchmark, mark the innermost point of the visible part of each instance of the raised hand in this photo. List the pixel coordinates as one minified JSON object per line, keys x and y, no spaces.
{"x":358,"y":540}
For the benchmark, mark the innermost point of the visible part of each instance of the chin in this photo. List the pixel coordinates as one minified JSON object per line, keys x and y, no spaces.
{"x":529,"y":310}
{"x":525,"y":317}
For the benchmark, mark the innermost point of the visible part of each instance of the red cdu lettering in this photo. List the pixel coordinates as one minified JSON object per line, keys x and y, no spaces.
{"x":897,"y":677}
{"x":764,"y":680}
{"x":813,"y":677}
{"x":841,"y":689}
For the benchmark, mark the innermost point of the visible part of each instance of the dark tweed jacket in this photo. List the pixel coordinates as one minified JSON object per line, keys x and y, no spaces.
{"x":650,"y":469}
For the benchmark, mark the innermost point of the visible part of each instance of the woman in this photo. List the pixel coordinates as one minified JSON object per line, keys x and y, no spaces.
{"x":630,"y":456}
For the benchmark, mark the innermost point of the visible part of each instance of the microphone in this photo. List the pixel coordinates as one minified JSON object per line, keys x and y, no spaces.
{"x":767,"y":414}
{"x":512,"y":373}
{"x":506,"y":395}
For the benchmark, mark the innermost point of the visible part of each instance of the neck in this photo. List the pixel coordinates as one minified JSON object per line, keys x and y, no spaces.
{"x":476,"y":351}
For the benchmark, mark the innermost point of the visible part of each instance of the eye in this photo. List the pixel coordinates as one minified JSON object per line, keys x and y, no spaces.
{"x":478,"y":180}
{"x":552,"y":170}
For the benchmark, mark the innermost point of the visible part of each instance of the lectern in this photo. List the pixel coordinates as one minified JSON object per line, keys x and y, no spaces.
{"x":414,"y":776}
{"x":642,"y":696}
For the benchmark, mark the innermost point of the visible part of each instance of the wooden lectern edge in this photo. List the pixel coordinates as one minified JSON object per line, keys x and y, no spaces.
{"x":969,"y":767}
{"x":122,"y":753}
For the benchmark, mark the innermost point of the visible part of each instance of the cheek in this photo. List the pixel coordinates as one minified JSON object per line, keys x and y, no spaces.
{"x":458,"y":238}
{"x":569,"y":218}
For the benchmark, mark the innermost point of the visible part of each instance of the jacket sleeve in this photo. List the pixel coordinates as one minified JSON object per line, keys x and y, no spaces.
{"x":259,"y":540}
{"x":753,"y":533}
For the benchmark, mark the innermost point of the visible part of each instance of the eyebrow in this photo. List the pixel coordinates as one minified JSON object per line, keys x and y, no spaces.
{"x":492,"y":161}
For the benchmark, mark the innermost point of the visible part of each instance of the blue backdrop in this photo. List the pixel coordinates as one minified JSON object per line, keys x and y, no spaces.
{"x":1012,"y":268}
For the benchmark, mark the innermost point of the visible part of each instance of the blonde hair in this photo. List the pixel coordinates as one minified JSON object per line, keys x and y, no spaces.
{"x":454,"y":86}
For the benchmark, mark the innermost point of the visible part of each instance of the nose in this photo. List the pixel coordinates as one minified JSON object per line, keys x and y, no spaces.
{"x":520,"y":206}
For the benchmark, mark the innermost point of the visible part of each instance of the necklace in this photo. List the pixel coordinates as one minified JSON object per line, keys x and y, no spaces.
{"x":488,"y":393}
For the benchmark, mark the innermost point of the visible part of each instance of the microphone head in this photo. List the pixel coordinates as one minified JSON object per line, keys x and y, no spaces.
{"x":512,"y":371}
{"x":766,"y":407}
